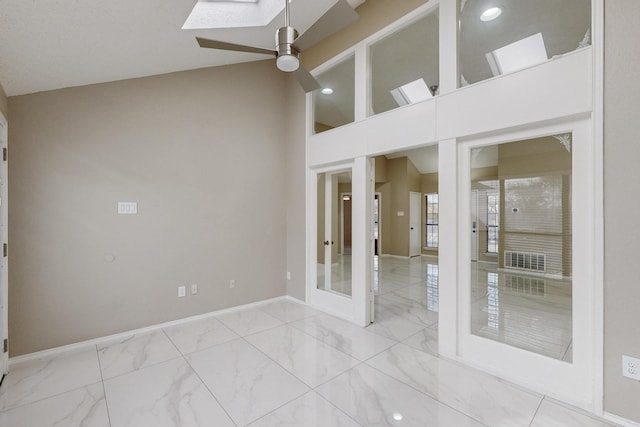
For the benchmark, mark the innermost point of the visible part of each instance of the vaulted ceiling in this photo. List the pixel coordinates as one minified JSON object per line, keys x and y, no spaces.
{"x":53,"y":44}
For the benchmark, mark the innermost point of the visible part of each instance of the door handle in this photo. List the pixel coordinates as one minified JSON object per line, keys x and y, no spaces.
{"x":326,"y":243}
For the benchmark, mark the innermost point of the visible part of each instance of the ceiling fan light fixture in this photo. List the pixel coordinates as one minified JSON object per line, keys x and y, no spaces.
{"x":491,"y":14}
{"x":287,"y":63}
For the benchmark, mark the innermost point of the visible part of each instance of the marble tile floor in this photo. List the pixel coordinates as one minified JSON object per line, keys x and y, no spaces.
{"x":277,"y":364}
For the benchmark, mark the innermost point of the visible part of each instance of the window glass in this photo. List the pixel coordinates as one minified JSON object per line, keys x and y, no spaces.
{"x":432,"y":220}
{"x":521,"y":249}
{"x":333,"y":105}
{"x":405,"y":66}
{"x":499,"y":37}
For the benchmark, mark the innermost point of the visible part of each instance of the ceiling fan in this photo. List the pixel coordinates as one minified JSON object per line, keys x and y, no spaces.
{"x":289,"y":44}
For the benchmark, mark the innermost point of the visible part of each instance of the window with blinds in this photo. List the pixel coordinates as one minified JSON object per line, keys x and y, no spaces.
{"x":432,"y":220}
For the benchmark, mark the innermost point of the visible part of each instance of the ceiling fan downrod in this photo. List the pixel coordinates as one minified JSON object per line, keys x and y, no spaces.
{"x":288,"y":59}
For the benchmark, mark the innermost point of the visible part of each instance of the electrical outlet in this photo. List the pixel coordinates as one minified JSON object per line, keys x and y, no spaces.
{"x":232,"y":284}
{"x":182,"y":291}
{"x":631,"y":367}
{"x":194,"y":289}
{"x":288,"y":275}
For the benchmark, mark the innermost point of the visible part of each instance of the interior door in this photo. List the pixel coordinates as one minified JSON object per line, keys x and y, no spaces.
{"x":415,"y":214}
{"x":4,"y":277}
{"x":331,"y":266}
{"x":340,"y":283}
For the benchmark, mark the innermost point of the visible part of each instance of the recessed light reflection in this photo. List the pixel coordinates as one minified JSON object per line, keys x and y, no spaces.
{"x":327,"y":91}
{"x":397,"y":416}
{"x":490,"y":14}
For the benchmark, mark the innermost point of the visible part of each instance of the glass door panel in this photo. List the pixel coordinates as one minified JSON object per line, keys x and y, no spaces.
{"x":334,"y":225}
{"x":521,"y":254}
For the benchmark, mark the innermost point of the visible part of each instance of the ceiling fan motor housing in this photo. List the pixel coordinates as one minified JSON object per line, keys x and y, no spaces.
{"x":288,"y":57}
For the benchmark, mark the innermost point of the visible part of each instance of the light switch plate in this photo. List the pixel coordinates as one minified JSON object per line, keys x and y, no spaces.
{"x":127,"y":208}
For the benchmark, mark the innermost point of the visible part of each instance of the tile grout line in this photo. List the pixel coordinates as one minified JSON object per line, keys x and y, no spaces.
{"x":342,"y":351}
{"x":104,"y":390}
{"x":435,"y":399}
{"x":11,"y":408}
{"x":332,"y":404}
{"x":209,"y":390}
{"x":537,"y":409}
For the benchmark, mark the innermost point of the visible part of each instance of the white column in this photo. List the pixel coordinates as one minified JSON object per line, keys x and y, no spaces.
{"x":448,"y":248}
{"x":361,"y":234}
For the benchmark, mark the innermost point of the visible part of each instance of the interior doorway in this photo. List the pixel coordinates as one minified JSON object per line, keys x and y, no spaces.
{"x":415,"y":214}
{"x":346,"y":223}
{"x":377,"y":238}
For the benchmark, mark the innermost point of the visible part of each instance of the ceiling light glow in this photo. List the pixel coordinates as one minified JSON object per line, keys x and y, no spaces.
{"x":490,"y":14}
{"x":327,"y":91}
{"x":287,"y":63}
{"x":397,"y":416}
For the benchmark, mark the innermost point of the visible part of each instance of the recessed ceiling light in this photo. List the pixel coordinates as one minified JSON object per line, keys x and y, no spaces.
{"x":491,"y":14}
{"x":327,"y":91}
{"x":397,"y":416}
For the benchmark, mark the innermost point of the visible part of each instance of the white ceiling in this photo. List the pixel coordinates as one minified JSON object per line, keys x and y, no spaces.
{"x":53,"y":44}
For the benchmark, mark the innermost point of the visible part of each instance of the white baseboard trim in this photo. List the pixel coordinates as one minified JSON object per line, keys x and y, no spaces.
{"x":619,"y":420}
{"x":122,"y":335}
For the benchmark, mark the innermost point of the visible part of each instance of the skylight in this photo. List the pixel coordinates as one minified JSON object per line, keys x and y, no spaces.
{"x":235,"y":13}
{"x":518,"y":55}
{"x":411,"y":93}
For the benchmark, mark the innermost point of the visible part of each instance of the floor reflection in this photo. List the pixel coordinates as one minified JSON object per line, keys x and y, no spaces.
{"x":528,"y":312}
{"x":524,"y":311}
{"x":340,"y":276}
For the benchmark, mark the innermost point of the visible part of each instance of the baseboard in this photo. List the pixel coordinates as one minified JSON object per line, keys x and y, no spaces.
{"x":619,"y":420}
{"x":122,"y":335}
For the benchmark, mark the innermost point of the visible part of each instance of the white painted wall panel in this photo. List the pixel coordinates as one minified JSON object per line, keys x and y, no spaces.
{"x":555,"y":89}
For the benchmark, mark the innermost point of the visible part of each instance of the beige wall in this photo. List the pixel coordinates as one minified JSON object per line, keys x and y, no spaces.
{"x":621,"y":204}
{"x":295,"y":185}
{"x":4,"y":103}
{"x":201,"y":152}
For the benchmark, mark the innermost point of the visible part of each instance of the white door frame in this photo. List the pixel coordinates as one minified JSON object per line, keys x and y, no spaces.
{"x":415,"y":221}
{"x":570,"y":382}
{"x":355,"y":308}
{"x":4,"y":238}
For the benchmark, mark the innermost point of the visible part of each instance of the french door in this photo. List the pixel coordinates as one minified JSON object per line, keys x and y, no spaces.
{"x":339,"y":280}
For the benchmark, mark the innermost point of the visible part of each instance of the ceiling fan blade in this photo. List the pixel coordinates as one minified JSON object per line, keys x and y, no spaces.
{"x":215,"y":44}
{"x":306,"y":80}
{"x":336,"y":18}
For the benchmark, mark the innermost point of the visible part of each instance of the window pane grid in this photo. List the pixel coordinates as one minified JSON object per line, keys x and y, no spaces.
{"x":432,"y":220}
{"x":493,"y":222}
